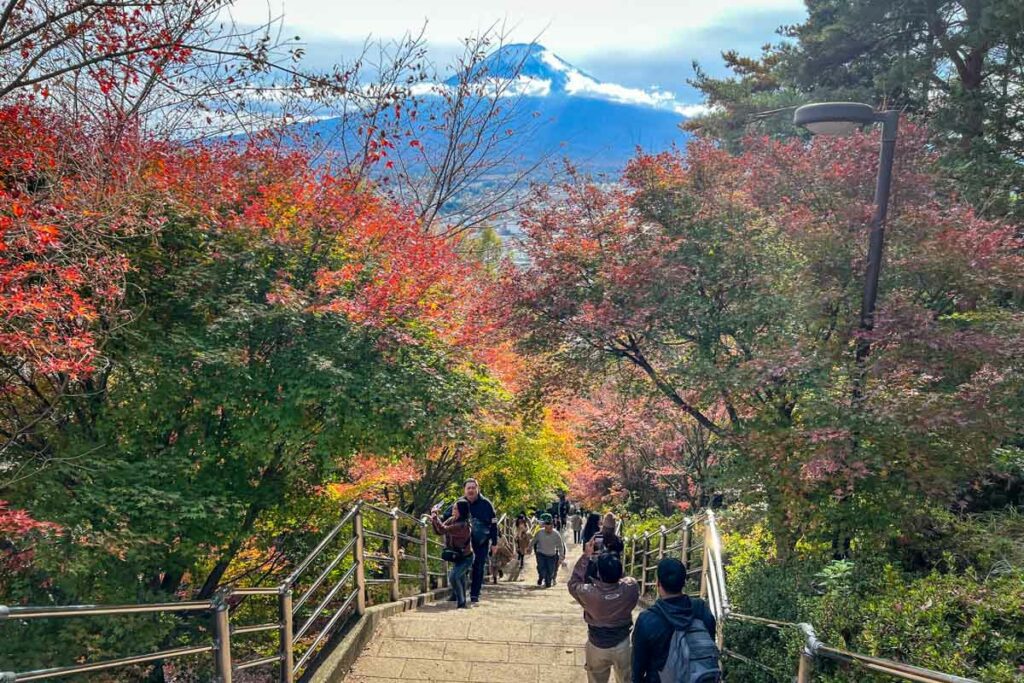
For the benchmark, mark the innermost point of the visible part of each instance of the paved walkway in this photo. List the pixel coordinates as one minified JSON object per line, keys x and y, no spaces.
{"x":517,"y":633}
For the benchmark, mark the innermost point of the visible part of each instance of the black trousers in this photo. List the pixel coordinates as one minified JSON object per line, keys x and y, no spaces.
{"x":575,"y":535}
{"x":547,"y":568}
{"x":480,"y":555}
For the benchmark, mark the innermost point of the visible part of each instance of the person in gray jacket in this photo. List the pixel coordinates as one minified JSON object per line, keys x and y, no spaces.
{"x":549,"y":548}
{"x":608,"y":604}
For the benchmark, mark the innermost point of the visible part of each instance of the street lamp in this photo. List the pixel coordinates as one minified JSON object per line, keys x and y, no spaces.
{"x":842,"y":118}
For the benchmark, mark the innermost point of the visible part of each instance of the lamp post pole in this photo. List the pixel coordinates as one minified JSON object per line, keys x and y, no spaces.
{"x":883,"y":186}
{"x":837,"y":118}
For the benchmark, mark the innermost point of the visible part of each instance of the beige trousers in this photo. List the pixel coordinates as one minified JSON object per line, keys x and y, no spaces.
{"x":600,"y":662}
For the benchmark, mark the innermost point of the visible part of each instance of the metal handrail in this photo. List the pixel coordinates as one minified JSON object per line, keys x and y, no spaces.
{"x":346,"y":518}
{"x":48,"y":612}
{"x":380,"y":510}
{"x":221,"y":603}
{"x":43,"y":674}
{"x":419,"y":520}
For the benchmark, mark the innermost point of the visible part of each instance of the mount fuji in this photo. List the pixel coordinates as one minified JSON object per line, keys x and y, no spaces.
{"x":568,"y":113}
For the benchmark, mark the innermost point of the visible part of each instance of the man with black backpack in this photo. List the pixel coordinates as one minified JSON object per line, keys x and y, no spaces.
{"x":674,"y":640}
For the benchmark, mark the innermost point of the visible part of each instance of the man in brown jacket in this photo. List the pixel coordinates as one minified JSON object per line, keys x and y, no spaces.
{"x":608,"y":605}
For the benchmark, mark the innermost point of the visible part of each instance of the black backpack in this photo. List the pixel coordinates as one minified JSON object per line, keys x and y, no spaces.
{"x":692,"y":656}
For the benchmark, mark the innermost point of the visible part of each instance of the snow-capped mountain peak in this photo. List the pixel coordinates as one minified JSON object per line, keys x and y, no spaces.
{"x":540,"y":72}
{"x":527,"y":62}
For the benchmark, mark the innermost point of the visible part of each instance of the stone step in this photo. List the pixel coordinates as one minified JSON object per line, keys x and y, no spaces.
{"x":518,"y":633}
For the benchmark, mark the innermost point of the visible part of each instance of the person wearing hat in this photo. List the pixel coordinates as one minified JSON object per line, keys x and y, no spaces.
{"x":550,"y":550}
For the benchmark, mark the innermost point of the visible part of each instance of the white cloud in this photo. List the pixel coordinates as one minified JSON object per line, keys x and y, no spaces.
{"x":585,"y":86}
{"x":522,"y":86}
{"x":691,"y":110}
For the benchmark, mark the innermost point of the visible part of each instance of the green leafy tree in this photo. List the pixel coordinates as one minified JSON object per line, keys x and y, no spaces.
{"x":956,"y":64}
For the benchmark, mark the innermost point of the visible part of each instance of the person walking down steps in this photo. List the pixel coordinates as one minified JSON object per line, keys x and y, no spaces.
{"x":550,"y":550}
{"x":576,"y":522}
{"x":523,"y":540}
{"x":458,"y":547}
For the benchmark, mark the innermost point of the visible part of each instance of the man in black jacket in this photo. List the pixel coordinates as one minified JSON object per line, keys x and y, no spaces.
{"x":485,"y":534}
{"x":673,"y":611}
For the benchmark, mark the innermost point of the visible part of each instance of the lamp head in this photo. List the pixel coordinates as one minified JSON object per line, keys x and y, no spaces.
{"x":834,"y":118}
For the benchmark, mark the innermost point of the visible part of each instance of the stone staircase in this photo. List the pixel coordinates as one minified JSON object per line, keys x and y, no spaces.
{"x":517,"y":633}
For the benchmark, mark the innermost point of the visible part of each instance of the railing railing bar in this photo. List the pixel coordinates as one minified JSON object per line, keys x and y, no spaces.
{"x":403,"y":513}
{"x":98,"y":610}
{"x":773,"y":623}
{"x":323,"y":575}
{"x":43,"y":674}
{"x":377,"y":557}
{"x":410,"y":576}
{"x":378,"y":582}
{"x":309,"y":593}
{"x":325,"y":631}
{"x":411,"y":558}
{"x":315,"y":614}
{"x":907,"y":671}
{"x":252,"y":664}
{"x":410,"y":539}
{"x":379,"y":510}
{"x":255,"y":590}
{"x":313,"y":554}
{"x":435,"y":558}
{"x":376,"y":534}
{"x":256,"y":628}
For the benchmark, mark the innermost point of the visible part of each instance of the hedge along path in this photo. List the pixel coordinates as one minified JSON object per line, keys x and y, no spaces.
{"x":517,"y":633}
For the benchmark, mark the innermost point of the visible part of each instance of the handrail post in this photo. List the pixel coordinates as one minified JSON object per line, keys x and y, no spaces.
{"x":643,"y":565}
{"x":222,"y":634}
{"x":805,"y":670}
{"x":360,"y":560}
{"x":663,"y":532}
{"x":706,"y":557}
{"x":632,"y":555}
{"x":396,"y":588}
{"x":424,"y":559}
{"x":684,"y":550}
{"x":284,"y":604}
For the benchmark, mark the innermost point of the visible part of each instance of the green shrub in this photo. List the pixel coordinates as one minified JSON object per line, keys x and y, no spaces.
{"x":959,"y":622}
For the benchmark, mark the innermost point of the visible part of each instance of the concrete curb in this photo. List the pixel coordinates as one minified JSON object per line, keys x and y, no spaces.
{"x":334,"y":666}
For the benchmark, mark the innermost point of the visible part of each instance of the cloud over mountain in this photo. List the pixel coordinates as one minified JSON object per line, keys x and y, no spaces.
{"x":536,"y":71}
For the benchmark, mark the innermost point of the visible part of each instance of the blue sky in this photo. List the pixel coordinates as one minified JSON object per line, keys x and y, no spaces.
{"x":638,"y":43}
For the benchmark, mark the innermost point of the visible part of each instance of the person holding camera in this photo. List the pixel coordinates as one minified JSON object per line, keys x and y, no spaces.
{"x":458,"y":547}
{"x":608,"y":604}
{"x":604,"y":542}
